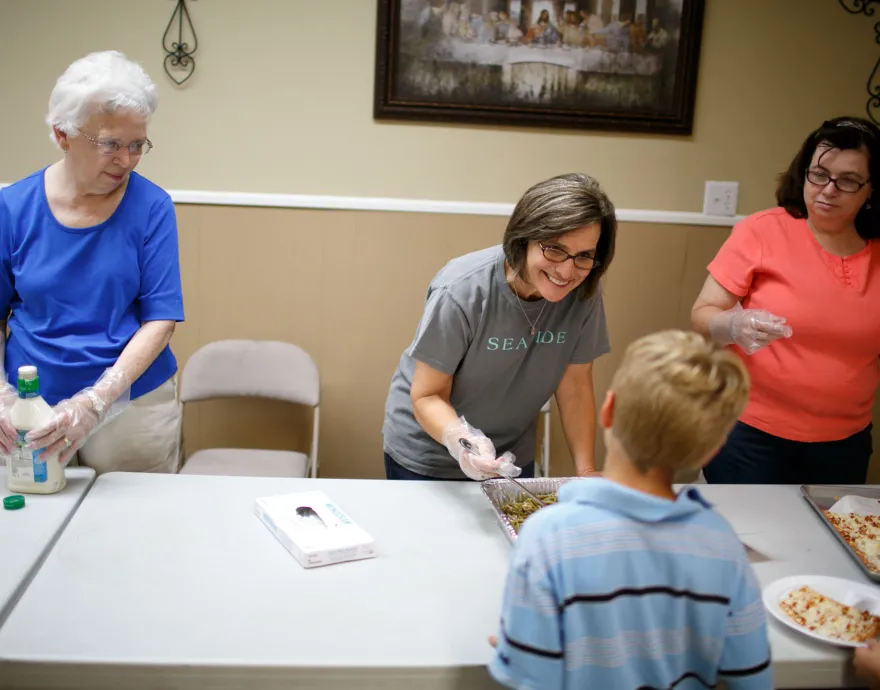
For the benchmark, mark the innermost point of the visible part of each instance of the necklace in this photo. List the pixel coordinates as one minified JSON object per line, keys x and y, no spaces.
{"x":519,"y":302}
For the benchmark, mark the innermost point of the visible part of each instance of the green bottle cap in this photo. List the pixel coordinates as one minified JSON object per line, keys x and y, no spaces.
{"x":14,"y":502}
{"x":28,"y":382}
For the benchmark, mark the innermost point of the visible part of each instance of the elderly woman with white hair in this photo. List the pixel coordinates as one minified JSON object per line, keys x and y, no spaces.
{"x":90,"y":279}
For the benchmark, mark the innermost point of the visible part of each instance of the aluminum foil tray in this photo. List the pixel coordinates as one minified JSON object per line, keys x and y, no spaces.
{"x":501,"y":491}
{"x":822,"y":497}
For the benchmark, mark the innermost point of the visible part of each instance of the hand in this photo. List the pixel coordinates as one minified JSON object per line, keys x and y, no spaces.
{"x":867,"y":662}
{"x":8,"y":434}
{"x":480,"y":469}
{"x":493,"y":641}
{"x":751,"y":329}
{"x":475,"y":453}
{"x":590,"y":472}
{"x":74,"y":420}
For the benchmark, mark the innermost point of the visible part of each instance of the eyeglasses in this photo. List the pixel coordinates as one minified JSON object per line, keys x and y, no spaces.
{"x":844,"y":184}
{"x":558,"y":256}
{"x":110,"y":147}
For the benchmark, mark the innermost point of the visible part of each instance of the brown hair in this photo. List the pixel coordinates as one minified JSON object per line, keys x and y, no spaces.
{"x":558,"y":206}
{"x":840,"y":133}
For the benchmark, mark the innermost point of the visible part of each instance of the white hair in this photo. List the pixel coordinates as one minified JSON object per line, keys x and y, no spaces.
{"x":100,"y":82}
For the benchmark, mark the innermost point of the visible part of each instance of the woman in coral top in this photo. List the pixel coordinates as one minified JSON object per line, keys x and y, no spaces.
{"x":796,"y":291}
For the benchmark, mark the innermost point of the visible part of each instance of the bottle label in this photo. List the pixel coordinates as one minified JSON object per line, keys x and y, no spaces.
{"x":29,"y":388}
{"x":28,"y":465}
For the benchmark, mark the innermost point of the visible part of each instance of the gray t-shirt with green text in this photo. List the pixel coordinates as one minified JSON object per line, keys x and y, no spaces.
{"x":474,"y":329}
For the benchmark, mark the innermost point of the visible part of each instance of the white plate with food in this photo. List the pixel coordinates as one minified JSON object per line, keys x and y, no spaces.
{"x":830,"y":609}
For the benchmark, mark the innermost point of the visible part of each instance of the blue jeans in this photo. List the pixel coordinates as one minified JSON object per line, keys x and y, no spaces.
{"x":751,"y":456}
{"x":394,"y":470}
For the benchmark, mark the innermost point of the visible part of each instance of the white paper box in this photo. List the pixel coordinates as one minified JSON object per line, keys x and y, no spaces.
{"x":314,"y":529}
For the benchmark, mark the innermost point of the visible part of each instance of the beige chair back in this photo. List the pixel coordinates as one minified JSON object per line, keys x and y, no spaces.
{"x":255,"y":368}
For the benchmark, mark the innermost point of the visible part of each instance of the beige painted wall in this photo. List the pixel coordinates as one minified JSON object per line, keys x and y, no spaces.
{"x":252,"y":119}
{"x":281,"y":101}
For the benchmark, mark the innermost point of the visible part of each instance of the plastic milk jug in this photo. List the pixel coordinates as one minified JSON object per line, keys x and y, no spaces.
{"x":32,"y":471}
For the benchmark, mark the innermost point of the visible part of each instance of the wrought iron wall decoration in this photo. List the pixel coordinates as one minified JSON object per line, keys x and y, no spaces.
{"x":178,"y":54}
{"x":873,"y":85}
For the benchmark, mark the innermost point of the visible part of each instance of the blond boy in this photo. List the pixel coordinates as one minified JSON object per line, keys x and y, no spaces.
{"x":625,"y":584}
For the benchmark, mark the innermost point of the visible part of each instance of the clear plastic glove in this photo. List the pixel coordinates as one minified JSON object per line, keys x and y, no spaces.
{"x":8,"y":435}
{"x":751,"y":329}
{"x":79,"y":417}
{"x":475,"y":453}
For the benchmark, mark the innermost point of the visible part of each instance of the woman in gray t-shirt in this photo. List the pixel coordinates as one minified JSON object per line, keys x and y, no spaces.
{"x":503,"y":330}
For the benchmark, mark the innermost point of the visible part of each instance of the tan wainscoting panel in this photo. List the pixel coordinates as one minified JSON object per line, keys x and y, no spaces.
{"x":349,"y":286}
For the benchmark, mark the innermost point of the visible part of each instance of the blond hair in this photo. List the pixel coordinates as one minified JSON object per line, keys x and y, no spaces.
{"x":677,"y":396}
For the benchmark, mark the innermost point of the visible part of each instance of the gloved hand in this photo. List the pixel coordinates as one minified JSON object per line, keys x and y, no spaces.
{"x":8,"y":435}
{"x":79,"y":417}
{"x":66,"y":433}
{"x":751,"y":329}
{"x":475,"y":453}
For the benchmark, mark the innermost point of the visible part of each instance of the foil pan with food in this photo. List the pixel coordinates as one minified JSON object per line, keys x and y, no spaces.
{"x":512,"y":506}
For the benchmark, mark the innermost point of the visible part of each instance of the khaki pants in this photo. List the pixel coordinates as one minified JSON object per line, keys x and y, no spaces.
{"x":144,"y":438}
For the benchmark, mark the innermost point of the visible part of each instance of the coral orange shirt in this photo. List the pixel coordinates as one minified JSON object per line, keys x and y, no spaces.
{"x":819,"y":384}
